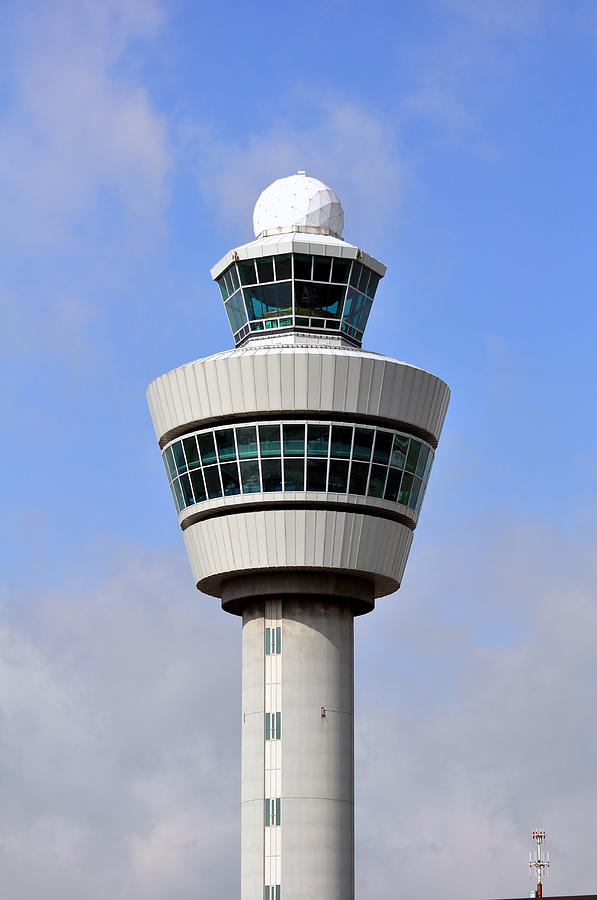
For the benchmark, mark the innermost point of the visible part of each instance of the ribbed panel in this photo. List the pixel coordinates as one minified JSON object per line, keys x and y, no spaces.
{"x":327,"y":540}
{"x":246,"y":382}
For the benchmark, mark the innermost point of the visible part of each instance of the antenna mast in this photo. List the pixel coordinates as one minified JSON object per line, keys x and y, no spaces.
{"x":540,"y":862}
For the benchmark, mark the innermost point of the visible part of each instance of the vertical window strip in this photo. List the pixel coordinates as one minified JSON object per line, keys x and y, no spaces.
{"x":272,"y":811}
{"x":273,"y":726}
{"x":273,"y":640}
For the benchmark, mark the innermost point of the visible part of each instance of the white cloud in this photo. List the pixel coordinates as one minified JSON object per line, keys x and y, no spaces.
{"x":78,"y":126}
{"x":482,"y":728}
{"x":501,"y":16}
{"x":121,"y":727}
{"x":84,"y":170}
{"x":351,"y":148}
{"x":119,"y":743}
{"x":459,"y":76}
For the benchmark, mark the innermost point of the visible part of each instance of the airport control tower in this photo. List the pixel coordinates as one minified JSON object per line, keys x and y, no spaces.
{"x":298,"y":464}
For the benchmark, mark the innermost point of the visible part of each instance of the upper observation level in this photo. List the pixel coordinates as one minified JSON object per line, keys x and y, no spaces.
{"x":298,"y":276}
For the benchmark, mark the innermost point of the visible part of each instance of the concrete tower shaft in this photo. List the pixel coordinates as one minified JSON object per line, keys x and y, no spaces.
{"x":298,"y":464}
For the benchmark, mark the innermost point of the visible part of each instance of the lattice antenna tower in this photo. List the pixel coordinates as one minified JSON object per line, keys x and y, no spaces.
{"x":540,"y":862}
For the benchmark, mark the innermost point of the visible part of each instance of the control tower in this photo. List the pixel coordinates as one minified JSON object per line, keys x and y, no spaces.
{"x":298,"y":463}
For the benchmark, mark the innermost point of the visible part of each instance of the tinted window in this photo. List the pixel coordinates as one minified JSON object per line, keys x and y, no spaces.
{"x":302,"y":266}
{"x":341,"y":440}
{"x":271,"y":470}
{"x":316,"y":474}
{"x":246,"y":269}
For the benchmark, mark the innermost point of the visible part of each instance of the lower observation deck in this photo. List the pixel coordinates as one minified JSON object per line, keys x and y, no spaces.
{"x":212,"y":470}
{"x":298,"y":458}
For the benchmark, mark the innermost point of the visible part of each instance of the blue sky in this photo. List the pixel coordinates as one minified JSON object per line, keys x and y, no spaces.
{"x":460,"y":137}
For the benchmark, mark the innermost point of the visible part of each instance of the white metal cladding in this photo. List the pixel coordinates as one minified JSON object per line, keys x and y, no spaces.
{"x":322,"y":539}
{"x":298,"y":242}
{"x":295,"y":379}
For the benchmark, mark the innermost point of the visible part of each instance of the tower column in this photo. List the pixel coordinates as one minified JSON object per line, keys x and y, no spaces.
{"x":298,"y":733}
{"x":298,"y":463}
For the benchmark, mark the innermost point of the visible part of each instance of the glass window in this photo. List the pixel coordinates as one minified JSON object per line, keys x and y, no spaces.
{"x":187,"y":491}
{"x":341,"y":440}
{"x":283,"y":267}
{"x":233,"y":277}
{"x":246,"y":270}
{"x":321,"y":268}
{"x":265,"y":300}
{"x":399,"y":451}
{"x":223,"y":288}
{"x":363,"y":442}
{"x":302,"y":266}
{"x":246,"y":438}
{"x":413,"y":455}
{"x":271,"y":470}
{"x":249,"y":473}
{"x":169,"y":457}
{"x":294,"y":440}
{"x":230,"y":481}
{"x":422,"y":461}
{"x":273,"y":726}
{"x":191,"y":452}
{"x":198,"y":485}
{"x":294,"y":474}
{"x":272,"y":811}
{"x":406,"y":485}
{"x":207,"y":448}
{"x":377,"y":481}
{"x":428,"y":466}
{"x":236,"y":311}
{"x":392,"y":484}
{"x":225,"y":442}
{"x":363,"y":280}
{"x":273,"y":640}
{"x":179,"y":459}
{"x":178,"y":493}
{"x":373,"y":282}
{"x":383,"y":446}
{"x":318,"y":299}
{"x":358,"y":478}
{"x":212,"y":482}
{"x":316,"y":474}
{"x":265,"y":269}
{"x":414,"y":493}
{"x":269,"y":440}
{"x":355,"y":274}
{"x":338,"y":480}
{"x":340,"y":270}
{"x":317,"y":440}
{"x":356,"y":309}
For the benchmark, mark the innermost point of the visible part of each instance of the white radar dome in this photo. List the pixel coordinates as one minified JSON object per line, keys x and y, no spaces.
{"x":296,"y":201}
